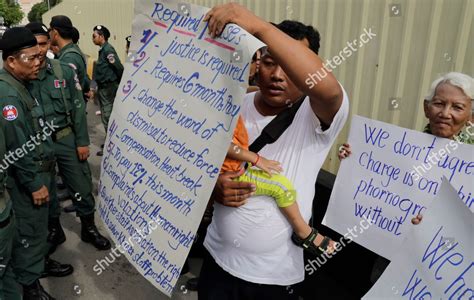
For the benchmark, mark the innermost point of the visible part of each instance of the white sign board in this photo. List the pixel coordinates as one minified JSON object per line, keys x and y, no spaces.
{"x":171,"y":126}
{"x":436,"y":259}
{"x":392,"y":176}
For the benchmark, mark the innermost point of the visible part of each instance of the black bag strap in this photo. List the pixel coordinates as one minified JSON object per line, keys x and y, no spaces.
{"x":276,"y":127}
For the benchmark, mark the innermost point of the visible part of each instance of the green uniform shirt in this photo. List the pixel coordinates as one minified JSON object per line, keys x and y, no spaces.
{"x":47,"y":89}
{"x":5,"y":203}
{"x":463,"y":137}
{"x":108,"y":67}
{"x":71,"y":54}
{"x":23,"y":123}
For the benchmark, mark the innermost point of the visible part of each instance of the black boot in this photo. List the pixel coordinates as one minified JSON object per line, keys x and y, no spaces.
{"x":90,"y":234}
{"x":35,"y":291}
{"x":56,"y":234}
{"x":54,"y":268}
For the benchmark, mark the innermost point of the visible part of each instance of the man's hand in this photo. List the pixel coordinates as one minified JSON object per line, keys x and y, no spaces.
{"x":83,"y":153}
{"x":41,"y":196}
{"x":220,"y":15}
{"x":232,"y":193}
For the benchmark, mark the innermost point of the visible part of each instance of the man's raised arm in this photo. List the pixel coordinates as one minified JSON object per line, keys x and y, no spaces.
{"x":296,"y":59}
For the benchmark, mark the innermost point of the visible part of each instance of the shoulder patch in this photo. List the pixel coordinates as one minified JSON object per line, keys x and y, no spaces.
{"x":59,"y":83}
{"x":77,"y":82}
{"x":111,"y":58}
{"x":10,"y":113}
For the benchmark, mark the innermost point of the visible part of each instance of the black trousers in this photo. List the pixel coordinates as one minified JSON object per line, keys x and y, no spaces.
{"x":217,"y":284}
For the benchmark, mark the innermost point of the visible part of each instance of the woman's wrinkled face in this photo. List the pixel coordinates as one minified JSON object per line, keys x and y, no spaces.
{"x":448,"y":111}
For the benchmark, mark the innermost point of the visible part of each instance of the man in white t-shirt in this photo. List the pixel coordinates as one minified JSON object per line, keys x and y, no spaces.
{"x":251,"y":255}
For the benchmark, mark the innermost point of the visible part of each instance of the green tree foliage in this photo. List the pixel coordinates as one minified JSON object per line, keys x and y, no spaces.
{"x":53,"y":2}
{"x":37,"y":11}
{"x":11,"y":12}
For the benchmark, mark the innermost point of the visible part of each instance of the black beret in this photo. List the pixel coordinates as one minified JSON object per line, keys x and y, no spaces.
{"x":17,"y":38}
{"x":61,"y":22}
{"x":128,"y":39}
{"x":38,"y":28}
{"x":102,"y":30}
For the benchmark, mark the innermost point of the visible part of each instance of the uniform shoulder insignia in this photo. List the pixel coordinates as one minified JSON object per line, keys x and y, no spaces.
{"x":77,"y":83}
{"x":111,"y":58}
{"x":10,"y":113}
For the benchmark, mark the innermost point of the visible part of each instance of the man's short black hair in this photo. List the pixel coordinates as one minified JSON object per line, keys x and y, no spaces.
{"x":66,"y":34}
{"x":63,"y":25}
{"x":299,"y":31}
{"x":75,"y":35}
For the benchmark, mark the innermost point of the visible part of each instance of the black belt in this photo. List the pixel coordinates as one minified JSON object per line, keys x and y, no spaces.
{"x":5,"y":222}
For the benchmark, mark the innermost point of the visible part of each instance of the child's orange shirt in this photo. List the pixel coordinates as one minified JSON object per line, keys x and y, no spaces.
{"x":241,"y":139}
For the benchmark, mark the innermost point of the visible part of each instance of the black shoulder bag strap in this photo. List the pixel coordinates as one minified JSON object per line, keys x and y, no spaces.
{"x":276,"y":127}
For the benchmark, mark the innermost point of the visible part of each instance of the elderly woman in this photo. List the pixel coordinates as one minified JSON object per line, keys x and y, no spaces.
{"x":449,"y":109}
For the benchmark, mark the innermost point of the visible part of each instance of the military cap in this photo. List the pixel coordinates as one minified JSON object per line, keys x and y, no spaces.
{"x":102,"y":30}
{"x":62,"y":22}
{"x":128,"y":39}
{"x":38,"y":28}
{"x":17,"y":38}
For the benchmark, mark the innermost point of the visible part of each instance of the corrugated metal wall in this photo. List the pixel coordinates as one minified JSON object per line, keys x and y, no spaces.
{"x":116,"y":15}
{"x":386,"y":79}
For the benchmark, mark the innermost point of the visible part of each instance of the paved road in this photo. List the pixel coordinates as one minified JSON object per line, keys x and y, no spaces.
{"x":120,"y":280}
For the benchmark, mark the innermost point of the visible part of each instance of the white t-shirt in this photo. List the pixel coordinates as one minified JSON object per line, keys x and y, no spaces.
{"x":253,"y":241}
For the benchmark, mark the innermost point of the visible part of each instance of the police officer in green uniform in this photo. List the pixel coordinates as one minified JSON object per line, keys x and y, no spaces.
{"x":62,"y":35}
{"x":60,"y":94}
{"x":32,"y":165}
{"x":107,"y":73}
{"x":8,"y":285}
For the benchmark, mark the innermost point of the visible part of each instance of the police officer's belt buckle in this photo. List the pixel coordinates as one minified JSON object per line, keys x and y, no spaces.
{"x":61,"y":133}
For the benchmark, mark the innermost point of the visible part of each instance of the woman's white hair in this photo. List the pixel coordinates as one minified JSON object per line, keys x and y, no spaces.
{"x":460,"y":80}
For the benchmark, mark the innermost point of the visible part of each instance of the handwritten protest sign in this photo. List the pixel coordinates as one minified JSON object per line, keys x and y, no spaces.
{"x":391,"y":176}
{"x":436,"y":261}
{"x":171,"y":126}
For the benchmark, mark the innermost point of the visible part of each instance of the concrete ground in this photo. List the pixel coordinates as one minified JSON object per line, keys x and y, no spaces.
{"x":120,"y":280}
